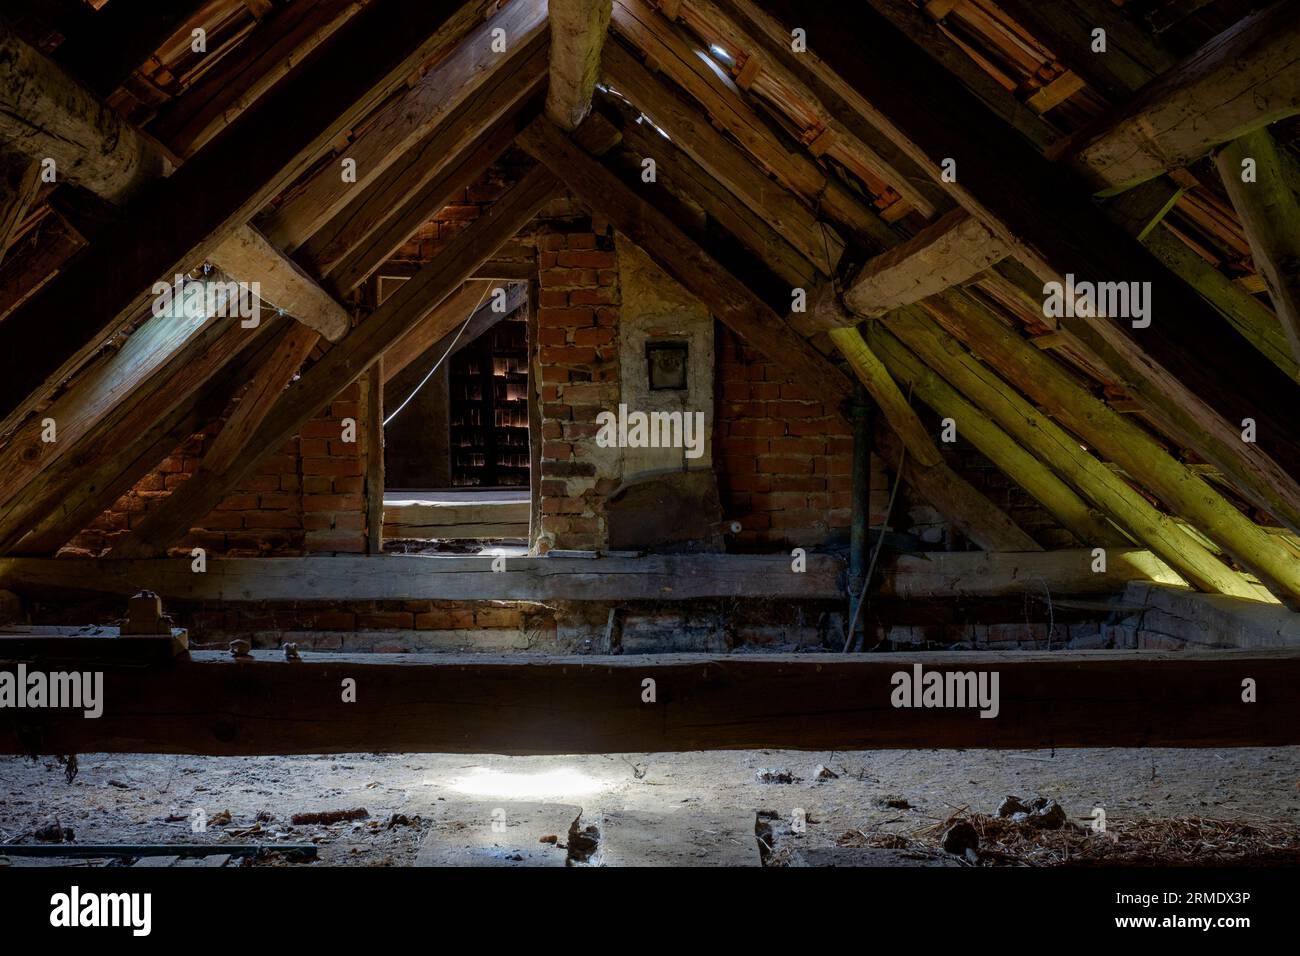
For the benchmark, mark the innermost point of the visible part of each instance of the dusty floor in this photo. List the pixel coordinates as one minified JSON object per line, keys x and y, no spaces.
{"x":150,"y":799}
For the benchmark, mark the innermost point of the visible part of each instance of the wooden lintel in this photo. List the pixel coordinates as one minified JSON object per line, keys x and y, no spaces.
{"x":212,"y":704}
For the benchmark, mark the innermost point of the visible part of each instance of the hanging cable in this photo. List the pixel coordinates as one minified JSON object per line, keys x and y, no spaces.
{"x":424,"y":381}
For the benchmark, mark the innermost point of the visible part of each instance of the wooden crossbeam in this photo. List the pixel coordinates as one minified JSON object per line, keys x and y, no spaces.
{"x":211,"y":704}
{"x":1242,"y":80}
{"x":578,"y":30}
{"x":1025,"y":199}
{"x":1270,"y":214}
{"x":948,"y":575}
{"x":405,"y":122}
{"x":1122,"y":441}
{"x":343,"y":363}
{"x":730,"y":300}
{"x":202,"y":203}
{"x":681,"y":175}
{"x":949,"y":252}
{"x":1054,"y":446}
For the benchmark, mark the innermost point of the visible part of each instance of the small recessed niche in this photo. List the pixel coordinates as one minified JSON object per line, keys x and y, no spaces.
{"x":666,"y":362}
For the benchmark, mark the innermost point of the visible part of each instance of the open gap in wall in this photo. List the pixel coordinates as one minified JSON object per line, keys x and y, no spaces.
{"x":456,"y":432}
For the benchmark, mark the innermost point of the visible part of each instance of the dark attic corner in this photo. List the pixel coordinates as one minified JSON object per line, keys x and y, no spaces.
{"x":628,"y":433}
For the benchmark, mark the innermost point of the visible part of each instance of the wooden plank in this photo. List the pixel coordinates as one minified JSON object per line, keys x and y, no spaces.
{"x":1122,"y":441}
{"x":138,"y":433}
{"x":1053,"y":445}
{"x":36,"y":258}
{"x":1270,"y":214}
{"x":263,"y":392}
{"x":730,"y":300}
{"x":406,"y":121}
{"x":684,"y":177}
{"x":578,"y":30}
{"x":292,"y":125}
{"x":377,"y":220}
{"x":423,"y":517}
{"x":278,"y":45}
{"x":857,"y":138}
{"x":691,"y":130}
{"x":1083,"y":520}
{"x":19,"y":183}
{"x":477,"y":704}
{"x":248,"y":254}
{"x":173,"y":518}
{"x":1025,"y":199}
{"x":372,"y":394}
{"x":949,"y":252}
{"x":1242,"y":80}
{"x":116,"y":40}
{"x":700,"y":76}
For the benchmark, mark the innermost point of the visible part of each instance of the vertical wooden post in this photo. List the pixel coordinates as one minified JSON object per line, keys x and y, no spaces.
{"x":372,"y":389}
{"x":534,"y":419}
{"x":860,"y":528}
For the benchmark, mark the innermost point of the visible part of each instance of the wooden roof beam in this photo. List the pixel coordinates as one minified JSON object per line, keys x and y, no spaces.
{"x":730,"y":300}
{"x":1240,"y":81}
{"x":20,"y":181}
{"x":175,"y":222}
{"x":923,"y":466}
{"x":171,"y":520}
{"x":1026,"y":199}
{"x":1270,"y":214}
{"x":409,"y":119}
{"x":1121,"y":441}
{"x":693,"y":70}
{"x":1047,"y":440}
{"x":578,"y":31}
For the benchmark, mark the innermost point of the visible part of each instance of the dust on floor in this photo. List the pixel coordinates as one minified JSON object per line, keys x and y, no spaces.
{"x":870,"y":798}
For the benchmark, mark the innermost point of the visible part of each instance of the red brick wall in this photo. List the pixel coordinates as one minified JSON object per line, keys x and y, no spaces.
{"x":577,"y":333}
{"x":306,"y":498}
{"x":784,"y":458}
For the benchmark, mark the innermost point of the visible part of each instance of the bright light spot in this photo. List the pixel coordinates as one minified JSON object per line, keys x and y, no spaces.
{"x":720,"y":53}
{"x":562,"y":782}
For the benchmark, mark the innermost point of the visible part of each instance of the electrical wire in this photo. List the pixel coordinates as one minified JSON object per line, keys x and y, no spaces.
{"x":425,"y":381}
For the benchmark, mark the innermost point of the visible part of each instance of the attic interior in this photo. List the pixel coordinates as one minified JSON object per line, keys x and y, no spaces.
{"x":682,"y":432}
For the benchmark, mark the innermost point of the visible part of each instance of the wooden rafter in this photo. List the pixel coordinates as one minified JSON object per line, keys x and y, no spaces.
{"x":343,"y":363}
{"x":202,"y":203}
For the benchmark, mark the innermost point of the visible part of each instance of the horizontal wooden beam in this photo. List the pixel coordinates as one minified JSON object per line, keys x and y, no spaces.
{"x":951,"y":251}
{"x":1211,"y":620}
{"x":956,"y":574}
{"x":215,"y":705}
